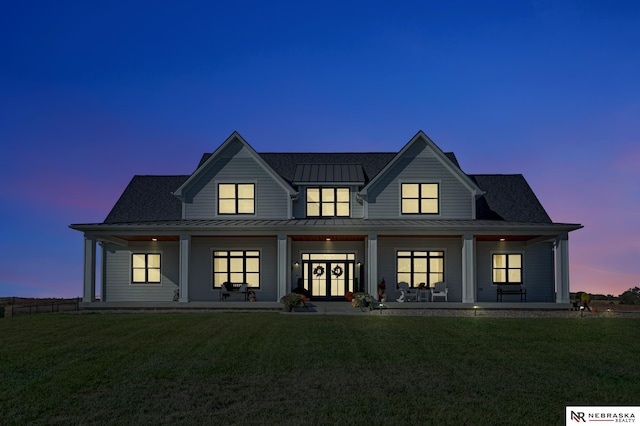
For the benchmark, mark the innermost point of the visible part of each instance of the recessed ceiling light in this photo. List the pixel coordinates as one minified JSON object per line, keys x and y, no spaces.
{"x":154,"y":239}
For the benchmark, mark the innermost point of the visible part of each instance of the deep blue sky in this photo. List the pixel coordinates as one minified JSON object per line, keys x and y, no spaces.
{"x":92,"y":93}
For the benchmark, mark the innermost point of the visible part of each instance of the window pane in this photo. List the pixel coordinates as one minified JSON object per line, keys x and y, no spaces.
{"x":236,"y":277}
{"x":253,"y":253}
{"x":404,"y":265}
{"x":138,"y":261}
{"x":227,"y":190}
{"x":410,"y":206}
{"x":253,"y":265}
{"x":245,"y":191}
{"x":220,"y":265}
{"x":313,"y":195}
{"x":418,"y":278}
{"x":236,"y":265}
{"x":328,"y":209}
{"x":342,"y":209}
{"x":515,"y":261}
{"x":253,"y":280}
{"x":245,"y":206}
{"x":153,"y":260}
{"x":343,"y":194}
{"x":218,"y":279}
{"x":429,"y":190}
{"x":499,"y":261}
{"x":436,"y":265}
{"x":139,"y":276}
{"x":404,"y":278}
{"x":429,"y":206}
{"x":435,"y":278}
{"x":236,"y":253}
{"x":153,"y":275}
{"x":328,"y":195}
{"x":410,"y":190}
{"x":313,"y":209}
{"x":420,"y":265}
{"x":499,"y":276}
{"x":515,"y":276}
{"x":227,"y":206}
{"x":404,"y":253}
{"x":419,"y":254}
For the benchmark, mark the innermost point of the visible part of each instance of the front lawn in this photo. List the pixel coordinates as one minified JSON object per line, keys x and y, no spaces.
{"x":267,"y":368}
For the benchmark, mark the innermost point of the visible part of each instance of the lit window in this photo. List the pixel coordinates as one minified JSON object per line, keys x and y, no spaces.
{"x":238,"y":266}
{"x":507,"y":268}
{"x":420,"y":198}
{"x":328,"y":202}
{"x":236,"y":198}
{"x":417,"y":267}
{"x":145,"y":268}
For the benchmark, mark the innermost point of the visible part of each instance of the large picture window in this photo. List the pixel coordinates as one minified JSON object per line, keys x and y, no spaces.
{"x":417,"y":267}
{"x":420,"y":198}
{"x":507,"y":268}
{"x":237,"y":266}
{"x":236,"y":198}
{"x":145,"y":268}
{"x":328,"y":202}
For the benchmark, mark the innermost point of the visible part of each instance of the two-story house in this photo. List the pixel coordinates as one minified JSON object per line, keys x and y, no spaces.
{"x":336,"y":222}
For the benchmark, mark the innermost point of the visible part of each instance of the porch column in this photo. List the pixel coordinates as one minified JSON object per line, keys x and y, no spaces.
{"x":89,"y":282}
{"x":562,"y":269}
{"x":185,"y":251}
{"x":468,"y":270}
{"x":283,"y":263}
{"x":372,"y":264}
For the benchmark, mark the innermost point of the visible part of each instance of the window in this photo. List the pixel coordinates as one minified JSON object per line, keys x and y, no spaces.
{"x":507,"y":268}
{"x":236,"y":198}
{"x":416,"y":267}
{"x":328,"y":202}
{"x":420,"y":198}
{"x":238,"y":266}
{"x":145,"y":268}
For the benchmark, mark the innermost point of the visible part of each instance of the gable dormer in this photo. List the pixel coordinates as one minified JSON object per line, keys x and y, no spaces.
{"x":420,"y":182}
{"x":328,"y":190}
{"x":235,"y":183}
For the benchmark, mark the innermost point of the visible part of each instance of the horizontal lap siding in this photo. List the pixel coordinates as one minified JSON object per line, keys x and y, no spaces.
{"x":201,"y":266}
{"x":117,"y":273}
{"x":538,"y":271}
{"x":452,"y":247}
{"x":419,"y":165}
{"x":236,"y":165}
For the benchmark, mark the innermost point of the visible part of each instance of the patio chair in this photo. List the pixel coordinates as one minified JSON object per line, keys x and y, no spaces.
{"x":440,"y":290}
{"x":405,"y":293}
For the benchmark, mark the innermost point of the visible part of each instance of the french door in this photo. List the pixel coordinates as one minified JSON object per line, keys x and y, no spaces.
{"x":328,"y":275}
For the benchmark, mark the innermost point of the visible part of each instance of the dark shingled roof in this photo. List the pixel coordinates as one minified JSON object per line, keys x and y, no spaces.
{"x":148,"y":198}
{"x":510,"y":198}
{"x":507,"y":198}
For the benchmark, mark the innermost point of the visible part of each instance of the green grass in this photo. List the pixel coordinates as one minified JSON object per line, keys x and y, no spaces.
{"x":266,"y":368}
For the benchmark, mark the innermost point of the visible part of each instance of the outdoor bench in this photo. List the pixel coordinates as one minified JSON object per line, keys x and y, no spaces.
{"x":511,"y":289}
{"x":230,"y":290}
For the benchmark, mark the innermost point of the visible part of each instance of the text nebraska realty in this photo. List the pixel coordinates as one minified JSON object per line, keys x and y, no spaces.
{"x":579,"y":416}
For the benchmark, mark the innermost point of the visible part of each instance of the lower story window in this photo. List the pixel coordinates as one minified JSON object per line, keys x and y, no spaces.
{"x":507,"y":268}
{"x":237,"y":266}
{"x":417,"y":267}
{"x":145,"y":268}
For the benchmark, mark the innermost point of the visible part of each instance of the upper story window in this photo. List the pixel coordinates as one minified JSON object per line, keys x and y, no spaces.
{"x":236,"y":198}
{"x":507,"y":268}
{"x":420,"y":198}
{"x":328,"y":202}
{"x":145,"y":268}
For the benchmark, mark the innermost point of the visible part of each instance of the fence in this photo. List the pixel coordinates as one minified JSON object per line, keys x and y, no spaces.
{"x":42,"y":308}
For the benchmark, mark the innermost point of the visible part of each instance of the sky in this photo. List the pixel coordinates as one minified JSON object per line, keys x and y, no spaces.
{"x":92,"y":93}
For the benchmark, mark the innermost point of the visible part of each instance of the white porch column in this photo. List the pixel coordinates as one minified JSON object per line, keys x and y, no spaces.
{"x":89,"y":282}
{"x":468,"y":270}
{"x":185,"y":251}
{"x":562,"y":269}
{"x":372,"y":264}
{"x":283,"y":266}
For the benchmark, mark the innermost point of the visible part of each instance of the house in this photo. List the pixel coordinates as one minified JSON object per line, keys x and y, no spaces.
{"x":336,"y":222}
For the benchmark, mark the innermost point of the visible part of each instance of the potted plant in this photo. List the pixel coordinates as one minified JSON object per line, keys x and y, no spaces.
{"x":290,"y":301}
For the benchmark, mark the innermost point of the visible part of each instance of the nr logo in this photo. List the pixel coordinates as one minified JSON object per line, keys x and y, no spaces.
{"x":577,"y":416}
